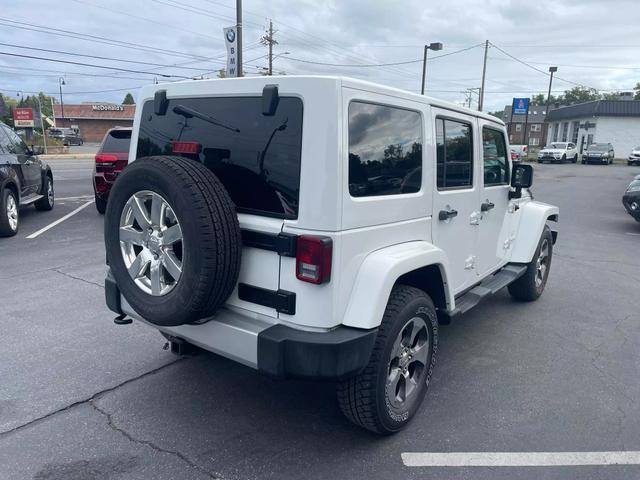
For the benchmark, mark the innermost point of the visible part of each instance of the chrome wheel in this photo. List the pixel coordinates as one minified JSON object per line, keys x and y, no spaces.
{"x":408,"y":364}
{"x":12,"y":212}
{"x":50,"y":192}
{"x":151,"y":243}
{"x":542,"y":264}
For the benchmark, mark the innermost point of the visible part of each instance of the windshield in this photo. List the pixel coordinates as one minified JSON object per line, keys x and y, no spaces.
{"x":599,"y":147}
{"x":255,"y":156}
{"x":561,"y":146}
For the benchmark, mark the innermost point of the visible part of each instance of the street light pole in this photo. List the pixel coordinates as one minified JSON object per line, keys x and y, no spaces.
{"x":552,"y":70}
{"x":61,"y":82}
{"x":239,"y":35}
{"x":44,"y":137}
{"x":432,"y":46}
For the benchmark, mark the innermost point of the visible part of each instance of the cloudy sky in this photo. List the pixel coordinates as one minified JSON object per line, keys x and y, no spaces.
{"x":593,"y":43}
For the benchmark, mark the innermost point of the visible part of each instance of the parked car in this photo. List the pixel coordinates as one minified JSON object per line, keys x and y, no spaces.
{"x":558,"y":152}
{"x":631,"y":198}
{"x":241,"y":234}
{"x":24,"y":180}
{"x":599,"y":153}
{"x":634,"y":157}
{"x":67,"y":136}
{"x":521,"y":151}
{"x":112,"y":157}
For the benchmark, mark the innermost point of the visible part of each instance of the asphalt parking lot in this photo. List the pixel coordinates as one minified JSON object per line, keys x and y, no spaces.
{"x":82,"y":398}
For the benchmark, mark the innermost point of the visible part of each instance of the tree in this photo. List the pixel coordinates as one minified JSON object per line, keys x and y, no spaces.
{"x":580,"y":94}
{"x":128,"y":99}
{"x":540,"y":100}
{"x":222,"y":73}
{"x":637,"y":89}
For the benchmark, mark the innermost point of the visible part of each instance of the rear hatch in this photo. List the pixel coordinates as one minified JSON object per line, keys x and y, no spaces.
{"x":113,"y":154}
{"x":257,"y":158}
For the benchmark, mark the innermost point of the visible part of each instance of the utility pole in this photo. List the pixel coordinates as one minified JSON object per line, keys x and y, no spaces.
{"x":269,"y":41}
{"x":552,"y":70}
{"x":484,"y":75}
{"x":432,"y":46}
{"x":239,"y":35}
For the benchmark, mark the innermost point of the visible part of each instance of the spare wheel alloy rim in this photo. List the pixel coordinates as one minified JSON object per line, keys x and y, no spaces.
{"x":151,"y":243}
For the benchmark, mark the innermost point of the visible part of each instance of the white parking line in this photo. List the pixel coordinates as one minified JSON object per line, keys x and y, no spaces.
{"x":81,"y":197}
{"x":60,"y":220}
{"x":519,"y":459}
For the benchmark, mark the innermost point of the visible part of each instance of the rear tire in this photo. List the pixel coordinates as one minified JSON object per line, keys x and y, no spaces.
{"x":386,"y":395}
{"x":46,"y":203}
{"x":575,"y":159}
{"x":9,"y":214}
{"x":171,"y":223}
{"x":530,"y":286}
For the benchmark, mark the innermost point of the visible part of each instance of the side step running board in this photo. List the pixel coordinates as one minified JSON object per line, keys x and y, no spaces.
{"x":29,"y":199}
{"x":489,"y":286}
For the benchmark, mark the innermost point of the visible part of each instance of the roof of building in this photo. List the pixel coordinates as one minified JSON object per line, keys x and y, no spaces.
{"x":95,"y":111}
{"x":537,"y":114}
{"x":598,"y":108}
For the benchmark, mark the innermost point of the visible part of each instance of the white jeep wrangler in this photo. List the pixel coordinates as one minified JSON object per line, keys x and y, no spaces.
{"x":320,"y":227}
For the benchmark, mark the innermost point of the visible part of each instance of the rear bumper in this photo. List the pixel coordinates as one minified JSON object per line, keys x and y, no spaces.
{"x":274,"y":349}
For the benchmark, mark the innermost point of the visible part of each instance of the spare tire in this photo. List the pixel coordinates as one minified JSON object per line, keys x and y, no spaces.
{"x":172,"y":239}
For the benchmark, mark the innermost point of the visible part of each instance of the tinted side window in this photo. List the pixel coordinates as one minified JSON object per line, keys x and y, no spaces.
{"x":4,"y":140}
{"x":454,"y":154}
{"x":385,"y":150}
{"x":494,"y":150}
{"x":16,"y":145}
{"x":117,"y":141}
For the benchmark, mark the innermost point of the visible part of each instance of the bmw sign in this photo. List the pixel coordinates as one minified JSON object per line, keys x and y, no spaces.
{"x":232,"y":51}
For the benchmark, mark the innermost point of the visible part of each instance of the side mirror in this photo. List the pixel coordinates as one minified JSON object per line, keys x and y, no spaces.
{"x":522,"y":177}
{"x":36,"y":150}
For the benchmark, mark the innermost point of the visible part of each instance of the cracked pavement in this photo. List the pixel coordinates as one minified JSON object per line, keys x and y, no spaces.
{"x":82,"y":398}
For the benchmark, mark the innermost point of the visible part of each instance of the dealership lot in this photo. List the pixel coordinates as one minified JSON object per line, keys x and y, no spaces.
{"x":82,"y":398}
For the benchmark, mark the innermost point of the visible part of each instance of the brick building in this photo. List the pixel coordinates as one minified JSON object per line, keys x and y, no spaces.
{"x":94,"y":119}
{"x":533,"y":129}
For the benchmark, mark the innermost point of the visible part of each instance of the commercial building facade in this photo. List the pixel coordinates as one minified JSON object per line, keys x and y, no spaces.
{"x":527,"y":129}
{"x":94,"y":119}
{"x":601,"y":121}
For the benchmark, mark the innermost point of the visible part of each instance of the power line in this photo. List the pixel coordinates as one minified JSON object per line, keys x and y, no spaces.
{"x":91,"y":65}
{"x":93,"y":38}
{"x":407,"y":62}
{"x":538,"y":69}
{"x":595,"y":67}
{"x":106,"y":58}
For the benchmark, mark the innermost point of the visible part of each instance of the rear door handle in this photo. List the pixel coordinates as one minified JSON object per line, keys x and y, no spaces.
{"x":486,"y":206}
{"x":447,"y":214}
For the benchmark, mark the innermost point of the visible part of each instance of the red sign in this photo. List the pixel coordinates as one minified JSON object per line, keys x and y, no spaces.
{"x":23,"y":117}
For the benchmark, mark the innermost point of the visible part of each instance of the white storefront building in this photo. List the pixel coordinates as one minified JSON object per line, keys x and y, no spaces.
{"x":602,"y":121}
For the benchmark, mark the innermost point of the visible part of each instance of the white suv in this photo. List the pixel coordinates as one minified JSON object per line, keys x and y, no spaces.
{"x":320,"y":227}
{"x":558,"y":152}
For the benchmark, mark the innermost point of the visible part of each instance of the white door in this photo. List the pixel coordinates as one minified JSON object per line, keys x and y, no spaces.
{"x":496,"y":231}
{"x":456,"y":199}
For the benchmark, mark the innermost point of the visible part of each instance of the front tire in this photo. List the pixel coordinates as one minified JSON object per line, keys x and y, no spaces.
{"x":530,"y":286}
{"x":9,"y":215}
{"x":386,"y":395}
{"x":563,"y":159}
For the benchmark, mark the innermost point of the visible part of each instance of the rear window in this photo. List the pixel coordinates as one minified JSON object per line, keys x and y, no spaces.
{"x":255,"y":156}
{"x":117,"y":141}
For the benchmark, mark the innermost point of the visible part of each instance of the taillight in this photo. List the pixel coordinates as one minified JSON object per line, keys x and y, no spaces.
{"x":106,"y":158}
{"x":192,"y":148}
{"x":313,"y":259}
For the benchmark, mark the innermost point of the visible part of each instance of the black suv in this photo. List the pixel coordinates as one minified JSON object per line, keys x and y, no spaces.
{"x":24,"y":179}
{"x":68,"y":136}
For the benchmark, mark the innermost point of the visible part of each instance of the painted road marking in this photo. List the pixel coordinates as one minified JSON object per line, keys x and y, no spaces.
{"x":60,"y":220}
{"x":81,"y":197}
{"x":519,"y":459}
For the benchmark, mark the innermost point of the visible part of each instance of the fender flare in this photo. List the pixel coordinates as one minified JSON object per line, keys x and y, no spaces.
{"x":380,"y":271}
{"x":533,"y":217}
{"x":10,"y":181}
